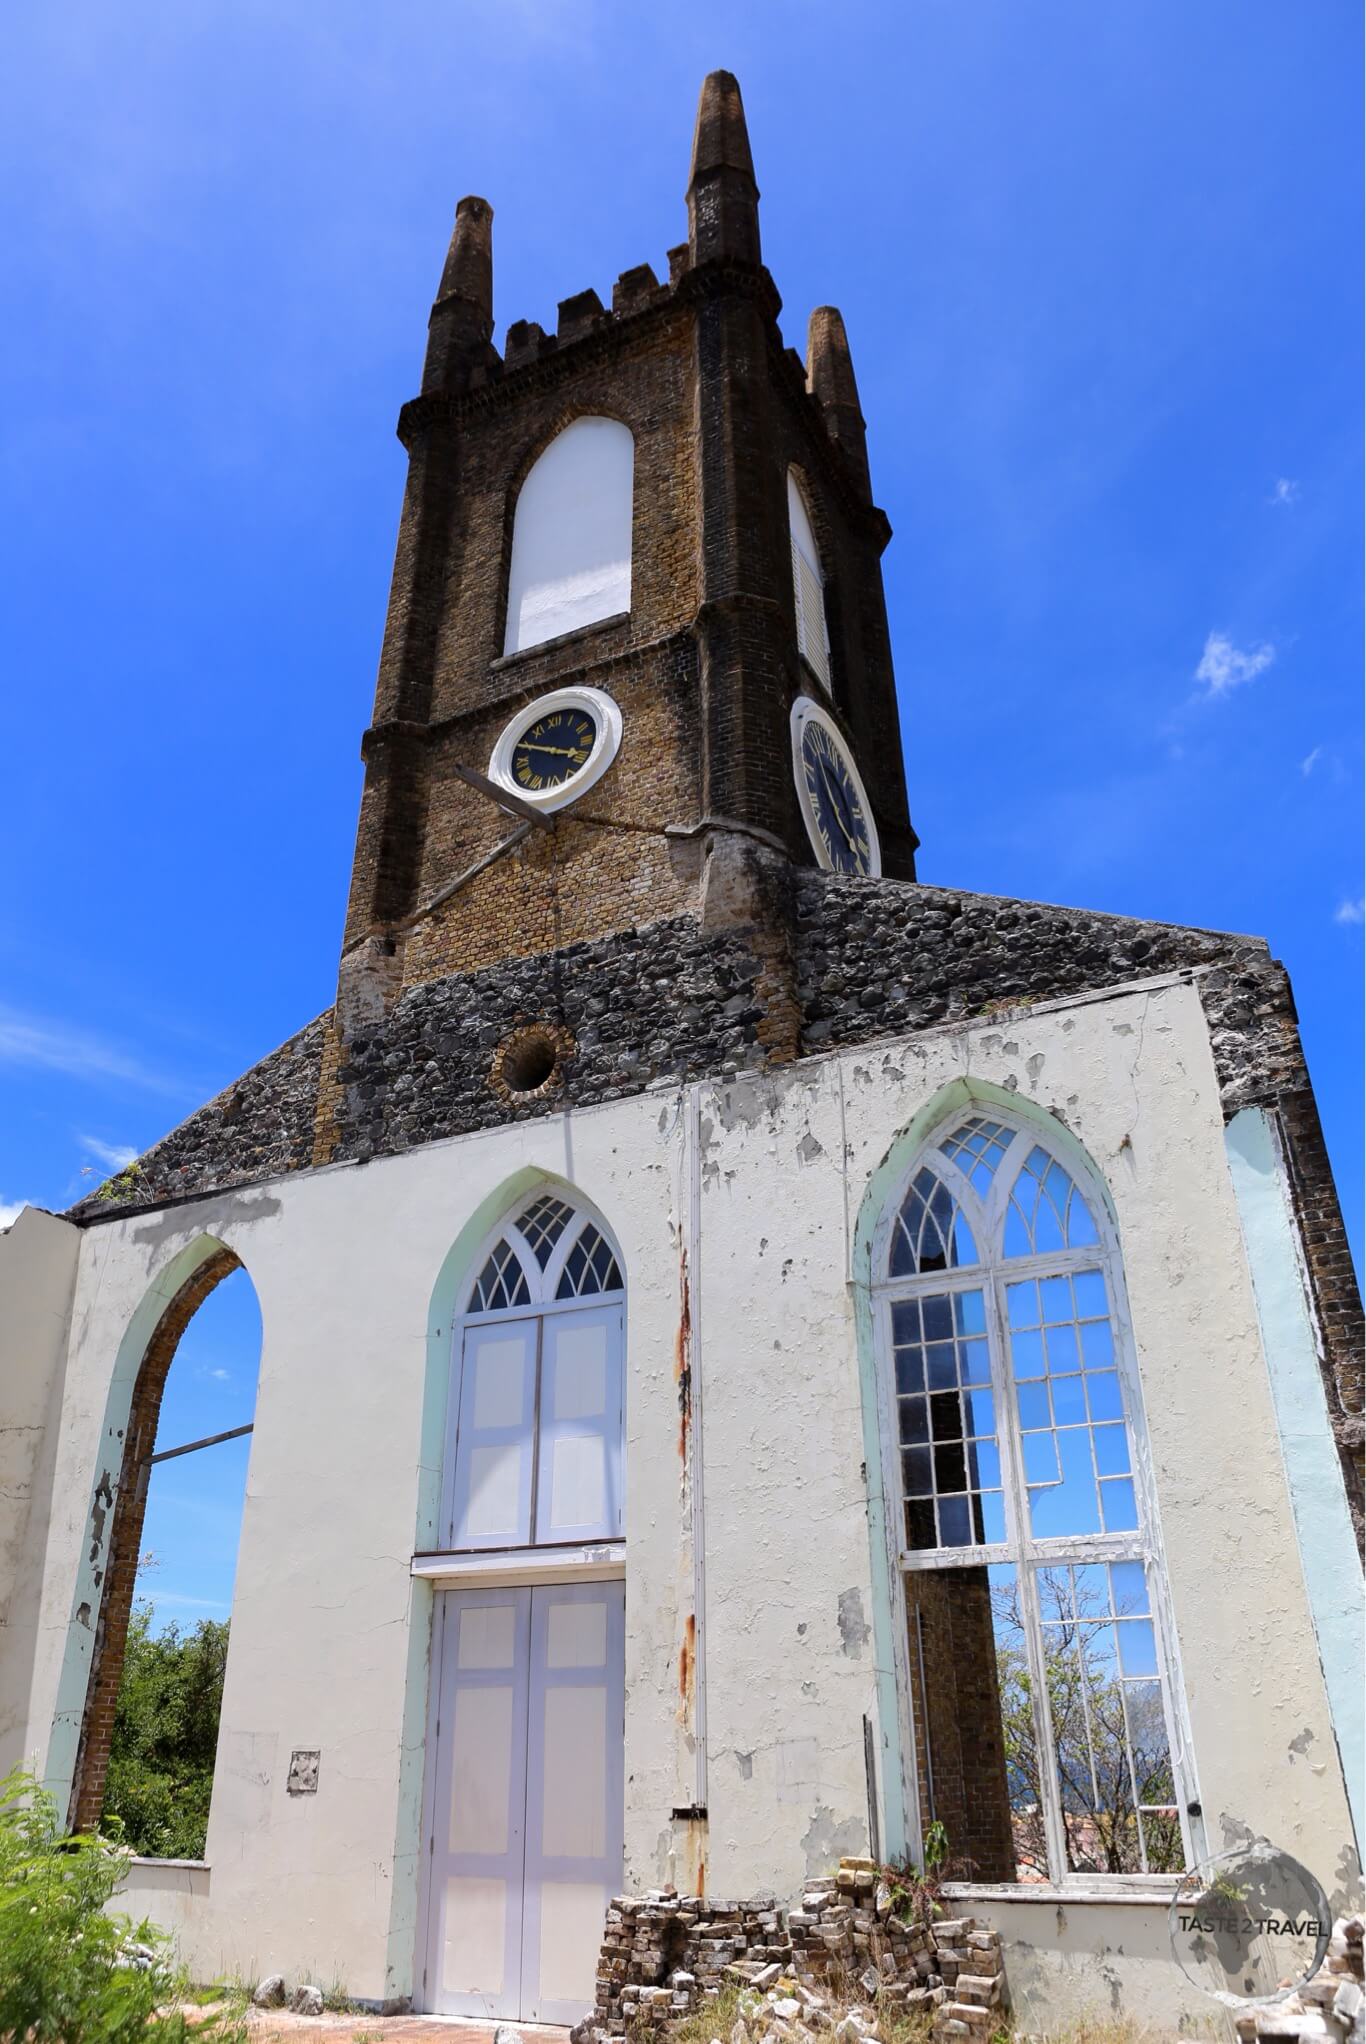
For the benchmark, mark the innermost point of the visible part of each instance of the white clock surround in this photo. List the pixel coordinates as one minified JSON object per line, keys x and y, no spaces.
{"x":606,"y":715}
{"x":805,"y":712}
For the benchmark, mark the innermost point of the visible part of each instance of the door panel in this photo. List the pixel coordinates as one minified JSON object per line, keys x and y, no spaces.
{"x":495,"y":1421}
{"x":473,"y":1964}
{"x":574,"y":1792}
{"x":527,"y":1794}
{"x":578,"y":1485}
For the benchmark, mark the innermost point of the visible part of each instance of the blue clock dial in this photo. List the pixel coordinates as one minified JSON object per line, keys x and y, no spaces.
{"x":553,"y":749}
{"x":834,"y":802}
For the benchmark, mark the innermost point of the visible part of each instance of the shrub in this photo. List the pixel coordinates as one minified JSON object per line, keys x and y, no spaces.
{"x":71,"y":1971}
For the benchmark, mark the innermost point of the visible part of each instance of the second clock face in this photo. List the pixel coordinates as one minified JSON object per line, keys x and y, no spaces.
{"x":838,"y":820}
{"x":554,"y":749}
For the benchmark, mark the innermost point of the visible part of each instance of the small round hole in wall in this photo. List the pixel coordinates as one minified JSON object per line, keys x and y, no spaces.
{"x":529,"y":1064}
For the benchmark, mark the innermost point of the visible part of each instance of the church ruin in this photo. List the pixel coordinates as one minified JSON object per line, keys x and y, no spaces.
{"x":762,"y":1358}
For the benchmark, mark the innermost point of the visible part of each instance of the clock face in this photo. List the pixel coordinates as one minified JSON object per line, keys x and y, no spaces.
{"x":835,"y":806}
{"x":558,"y":747}
{"x":553,"y":749}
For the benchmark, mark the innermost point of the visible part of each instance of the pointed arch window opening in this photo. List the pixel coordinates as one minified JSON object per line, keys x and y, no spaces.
{"x":551,"y":1254}
{"x":1015,"y":1413}
{"x":535,"y":1435}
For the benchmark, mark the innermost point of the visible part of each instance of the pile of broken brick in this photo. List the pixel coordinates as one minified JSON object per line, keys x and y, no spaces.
{"x":1329,"y":2009}
{"x":825,"y":1966}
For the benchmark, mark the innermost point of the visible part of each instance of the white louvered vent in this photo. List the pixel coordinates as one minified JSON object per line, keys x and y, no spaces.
{"x":808,"y":588}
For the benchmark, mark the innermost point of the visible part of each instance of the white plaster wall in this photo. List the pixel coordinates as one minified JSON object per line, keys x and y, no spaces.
{"x":38,"y":1257}
{"x":1067,"y":1963}
{"x":329,"y":1635}
{"x":571,"y":535}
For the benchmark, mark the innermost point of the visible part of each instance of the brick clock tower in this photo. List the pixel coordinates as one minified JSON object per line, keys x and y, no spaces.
{"x":636,"y":665}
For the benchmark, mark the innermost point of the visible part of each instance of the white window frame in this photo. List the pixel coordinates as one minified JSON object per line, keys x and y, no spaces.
{"x":989,"y":1276}
{"x":538,"y":1561}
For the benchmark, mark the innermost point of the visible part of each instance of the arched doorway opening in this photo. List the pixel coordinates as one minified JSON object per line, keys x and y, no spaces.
{"x":149,"y":1731}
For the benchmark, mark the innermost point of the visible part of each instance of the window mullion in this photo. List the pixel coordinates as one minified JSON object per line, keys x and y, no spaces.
{"x":536,"y":1429}
{"x":1027,"y":1590}
{"x":1007,"y":1419}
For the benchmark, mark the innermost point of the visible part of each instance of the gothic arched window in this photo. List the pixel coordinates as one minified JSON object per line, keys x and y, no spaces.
{"x":808,"y":585}
{"x":571,"y":536}
{"x":535,"y":1426}
{"x":1041,"y":1692}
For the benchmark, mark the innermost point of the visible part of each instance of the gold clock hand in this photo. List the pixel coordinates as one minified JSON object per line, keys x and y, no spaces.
{"x":838,"y":807}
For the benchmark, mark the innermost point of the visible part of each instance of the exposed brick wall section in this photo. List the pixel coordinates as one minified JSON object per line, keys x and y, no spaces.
{"x":125,"y":1541}
{"x":955,"y":1643}
{"x":261,"y":1126}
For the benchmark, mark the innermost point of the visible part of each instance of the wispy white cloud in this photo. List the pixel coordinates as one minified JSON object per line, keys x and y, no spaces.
{"x":1224,"y":666}
{"x":1287,"y":491}
{"x":1310,"y":761}
{"x":10,"y":1210}
{"x":50,"y":1046}
{"x":218,"y":1376}
{"x":1350,"y":911}
{"x":159,"y":1597}
{"x":118,"y":1156}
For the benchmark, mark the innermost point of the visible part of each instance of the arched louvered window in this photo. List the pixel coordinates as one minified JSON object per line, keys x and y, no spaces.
{"x":571,"y":535}
{"x":1014,"y":1418}
{"x":535,"y":1442}
{"x":808,"y":586}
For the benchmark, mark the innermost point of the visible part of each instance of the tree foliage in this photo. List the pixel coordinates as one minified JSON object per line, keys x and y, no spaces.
{"x":165,"y":1734}
{"x":72,"y":1971}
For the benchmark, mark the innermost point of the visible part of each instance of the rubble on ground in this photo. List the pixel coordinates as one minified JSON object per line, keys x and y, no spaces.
{"x":1329,"y":2009}
{"x":830,"y":1966}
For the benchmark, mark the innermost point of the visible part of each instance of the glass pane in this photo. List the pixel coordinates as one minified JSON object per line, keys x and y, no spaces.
{"x":969,"y":1313}
{"x":1034,"y":1408}
{"x":977,"y":1148}
{"x":589,"y":1267}
{"x":543,"y":1223}
{"x":930,"y":1232}
{"x":932,"y":1347}
{"x":1071,"y":1413}
{"x":1107,"y":1722}
{"x":1118,"y":1506}
{"x":501,"y":1283}
{"x":914,"y":1417}
{"x":1046,"y":1211}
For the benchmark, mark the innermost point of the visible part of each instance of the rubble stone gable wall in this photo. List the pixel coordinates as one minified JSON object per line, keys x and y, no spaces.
{"x":258,"y":1128}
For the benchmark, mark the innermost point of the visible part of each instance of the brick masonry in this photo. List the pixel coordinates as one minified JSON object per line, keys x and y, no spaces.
{"x":664,"y":1955}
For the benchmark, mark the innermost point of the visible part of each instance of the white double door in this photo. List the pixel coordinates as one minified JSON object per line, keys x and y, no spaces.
{"x":526,"y":1809}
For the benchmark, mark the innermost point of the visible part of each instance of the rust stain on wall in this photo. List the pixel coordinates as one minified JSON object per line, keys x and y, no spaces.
{"x":687,"y":1664}
{"x":683,"y":1358}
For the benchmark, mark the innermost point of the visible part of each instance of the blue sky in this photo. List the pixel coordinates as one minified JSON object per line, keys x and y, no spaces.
{"x":1098,"y":263}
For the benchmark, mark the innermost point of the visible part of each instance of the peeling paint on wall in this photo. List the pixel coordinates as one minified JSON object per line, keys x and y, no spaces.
{"x":854,"y":1629}
{"x":825,"y":1841}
